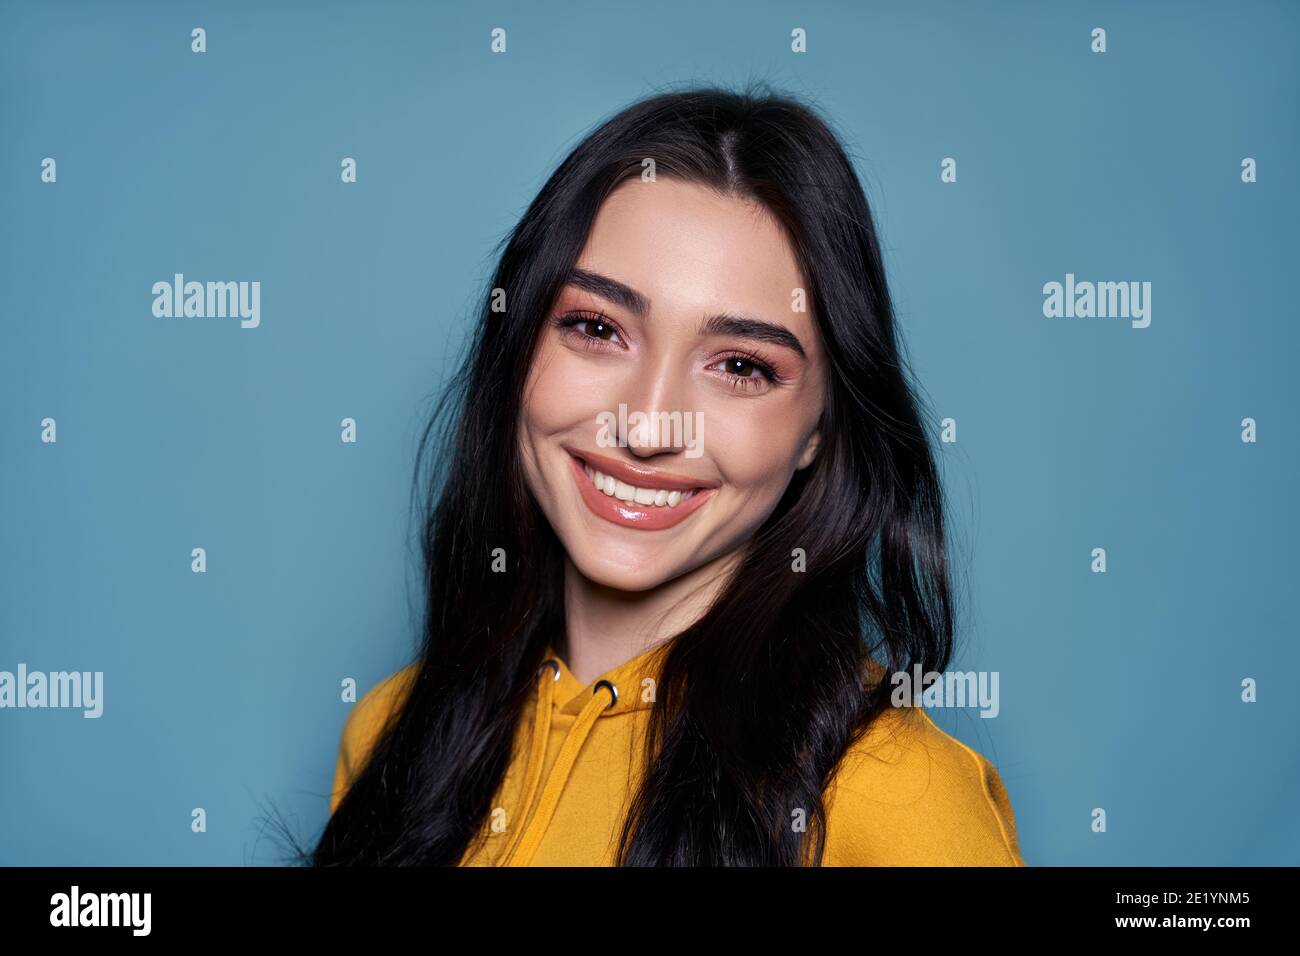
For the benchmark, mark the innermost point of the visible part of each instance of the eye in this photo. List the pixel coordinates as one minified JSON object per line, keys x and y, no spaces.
{"x":592,"y":330}
{"x":746,"y":373}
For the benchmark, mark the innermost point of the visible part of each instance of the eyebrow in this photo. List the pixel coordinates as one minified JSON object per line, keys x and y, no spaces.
{"x":723,"y":324}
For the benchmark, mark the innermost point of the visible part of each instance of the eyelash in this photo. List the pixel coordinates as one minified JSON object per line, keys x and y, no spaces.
{"x":568,"y":323}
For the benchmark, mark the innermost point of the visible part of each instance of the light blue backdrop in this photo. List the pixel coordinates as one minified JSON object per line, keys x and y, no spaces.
{"x":1118,"y":690}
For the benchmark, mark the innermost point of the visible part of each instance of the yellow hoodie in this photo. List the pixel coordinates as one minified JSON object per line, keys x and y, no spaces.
{"x":905,"y":794}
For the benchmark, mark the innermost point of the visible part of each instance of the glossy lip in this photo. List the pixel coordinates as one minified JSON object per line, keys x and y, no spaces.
{"x":629,"y":514}
{"x":639,"y":476}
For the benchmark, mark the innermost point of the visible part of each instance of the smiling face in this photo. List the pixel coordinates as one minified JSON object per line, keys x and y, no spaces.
{"x":681,"y":309}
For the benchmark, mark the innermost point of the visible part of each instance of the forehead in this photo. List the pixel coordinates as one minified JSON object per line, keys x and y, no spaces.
{"x":689,"y":251}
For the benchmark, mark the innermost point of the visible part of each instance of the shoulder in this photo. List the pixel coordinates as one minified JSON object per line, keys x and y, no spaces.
{"x":908,"y":794}
{"x":377,"y":704}
{"x":365,"y":723}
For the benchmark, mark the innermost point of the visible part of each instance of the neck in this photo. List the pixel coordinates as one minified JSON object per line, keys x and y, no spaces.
{"x":606,"y":627}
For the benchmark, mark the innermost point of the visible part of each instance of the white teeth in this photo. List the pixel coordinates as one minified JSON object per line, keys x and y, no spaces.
{"x":621,"y":490}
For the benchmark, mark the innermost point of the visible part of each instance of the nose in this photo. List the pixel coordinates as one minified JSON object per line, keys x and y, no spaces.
{"x":658,"y":417}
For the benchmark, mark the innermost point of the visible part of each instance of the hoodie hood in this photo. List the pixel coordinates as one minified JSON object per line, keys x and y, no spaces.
{"x":633,"y":683}
{"x":905,"y":793}
{"x":624,"y":689}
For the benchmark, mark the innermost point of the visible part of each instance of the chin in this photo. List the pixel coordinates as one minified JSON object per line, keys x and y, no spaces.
{"x":632,"y":571}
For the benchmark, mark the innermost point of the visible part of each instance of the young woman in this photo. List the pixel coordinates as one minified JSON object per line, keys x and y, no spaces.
{"x":688,"y":525}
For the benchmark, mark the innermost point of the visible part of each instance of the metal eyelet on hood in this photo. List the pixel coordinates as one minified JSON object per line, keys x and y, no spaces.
{"x":613,"y":690}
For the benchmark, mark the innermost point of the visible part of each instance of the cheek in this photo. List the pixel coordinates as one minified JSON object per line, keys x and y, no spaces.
{"x":755,"y":444}
{"x":564,"y":393}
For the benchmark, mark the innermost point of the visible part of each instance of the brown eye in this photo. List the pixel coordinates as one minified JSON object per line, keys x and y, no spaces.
{"x":597,"y":329}
{"x":591,"y":330}
{"x":742,"y":367}
{"x":746,"y":374}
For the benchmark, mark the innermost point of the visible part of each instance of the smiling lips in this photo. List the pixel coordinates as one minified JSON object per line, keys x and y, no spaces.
{"x":628,"y":496}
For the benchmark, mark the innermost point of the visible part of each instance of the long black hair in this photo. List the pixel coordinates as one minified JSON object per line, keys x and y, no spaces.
{"x":777,"y":666}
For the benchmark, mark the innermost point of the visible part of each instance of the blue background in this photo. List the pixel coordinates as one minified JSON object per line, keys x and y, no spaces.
{"x":1118,"y":690}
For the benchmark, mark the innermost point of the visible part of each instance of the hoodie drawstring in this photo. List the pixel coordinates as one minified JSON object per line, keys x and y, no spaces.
{"x":528,"y":838}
